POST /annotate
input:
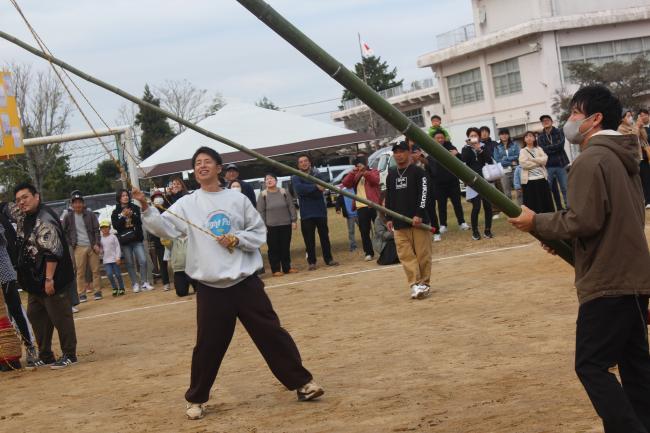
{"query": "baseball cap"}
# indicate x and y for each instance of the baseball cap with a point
(232, 167)
(76, 195)
(104, 223)
(402, 145)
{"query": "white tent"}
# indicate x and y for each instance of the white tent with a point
(269, 132)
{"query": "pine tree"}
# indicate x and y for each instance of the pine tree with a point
(156, 131)
(378, 75)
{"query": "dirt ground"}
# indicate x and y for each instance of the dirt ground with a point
(490, 351)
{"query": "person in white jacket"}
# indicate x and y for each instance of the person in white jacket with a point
(227, 285)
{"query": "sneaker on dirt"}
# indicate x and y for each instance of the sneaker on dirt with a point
(194, 411)
(310, 391)
(64, 361)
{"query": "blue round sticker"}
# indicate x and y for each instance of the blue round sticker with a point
(219, 224)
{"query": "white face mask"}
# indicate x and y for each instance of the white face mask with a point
(158, 201)
(236, 188)
(572, 132)
(630, 120)
(473, 140)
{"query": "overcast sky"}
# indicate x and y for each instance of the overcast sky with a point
(219, 46)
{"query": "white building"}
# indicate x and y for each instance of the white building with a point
(504, 69)
(514, 57)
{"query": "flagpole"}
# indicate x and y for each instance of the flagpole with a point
(365, 80)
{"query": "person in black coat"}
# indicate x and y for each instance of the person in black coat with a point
(475, 155)
(232, 175)
(446, 185)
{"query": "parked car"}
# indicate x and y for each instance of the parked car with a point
(382, 160)
(329, 174)
(337, 181)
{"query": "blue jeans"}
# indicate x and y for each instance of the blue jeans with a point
(114, 275)
(558, 174)
(132, 252)
(352, 221)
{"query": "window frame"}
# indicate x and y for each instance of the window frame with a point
(512, 87)
(470, 85)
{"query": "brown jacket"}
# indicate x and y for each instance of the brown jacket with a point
(605, 220)
(91, 223)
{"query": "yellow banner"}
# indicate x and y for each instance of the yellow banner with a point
(11, 134)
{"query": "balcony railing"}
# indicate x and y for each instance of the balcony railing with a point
(393, 91)
(455, 36)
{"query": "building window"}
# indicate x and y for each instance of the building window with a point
(624, 50)
(516, 131)
(465, 87)
(506, 78)
(415, 116)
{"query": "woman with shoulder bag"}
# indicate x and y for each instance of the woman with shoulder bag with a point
(128, 224)
(537, 192)
(476, 156)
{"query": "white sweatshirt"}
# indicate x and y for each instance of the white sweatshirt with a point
(222, 212)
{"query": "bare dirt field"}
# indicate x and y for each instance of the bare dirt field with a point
(490, 351)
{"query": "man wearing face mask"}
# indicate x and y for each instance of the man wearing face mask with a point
(606, 223)
(551, 140)
(232, 175)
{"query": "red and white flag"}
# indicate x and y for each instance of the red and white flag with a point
(366, 51)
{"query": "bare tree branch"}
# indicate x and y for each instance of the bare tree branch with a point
(183, 99)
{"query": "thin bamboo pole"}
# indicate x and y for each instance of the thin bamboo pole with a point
(202, 131)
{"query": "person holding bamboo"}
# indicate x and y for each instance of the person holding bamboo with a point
(223, 255)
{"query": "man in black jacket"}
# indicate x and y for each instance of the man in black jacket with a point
(45, 271)
(232, 174)
(446, 186)
(552, 140)
(407, 189)
(8, 261)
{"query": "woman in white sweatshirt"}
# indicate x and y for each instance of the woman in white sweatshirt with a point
(227, 285)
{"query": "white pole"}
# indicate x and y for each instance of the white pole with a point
(74, 136)
(129, 144)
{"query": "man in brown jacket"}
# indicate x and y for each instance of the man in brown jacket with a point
(606, 221)
(81, 229)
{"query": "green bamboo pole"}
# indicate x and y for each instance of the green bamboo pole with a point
(209, 134)
(269, 16)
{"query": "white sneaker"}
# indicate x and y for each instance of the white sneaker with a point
(166, 287)
(309, 391)
(415, 291)
(146, 286)
(194, 411)
(437, 237)
(464, 226)
(443, 229)
(136, 288)
(368, 258)
(424, 291)
(647, 206)
(75, 310)
(496, 217)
